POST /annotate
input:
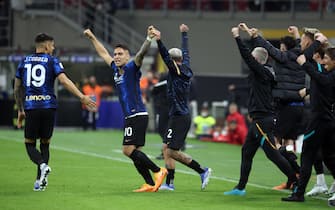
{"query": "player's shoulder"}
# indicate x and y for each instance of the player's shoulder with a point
(131, 64)
(53, 58)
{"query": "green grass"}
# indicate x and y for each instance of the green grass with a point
(90, 172)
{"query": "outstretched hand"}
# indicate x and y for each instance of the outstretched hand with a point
(302, 93)
(301, 59)
(183, 28)
(157, 34)
(235, 31)
(243, 27)
(293, 30)
(89, 102)
(321, 38)
(253, 32)
(89, 34)
(150, 31)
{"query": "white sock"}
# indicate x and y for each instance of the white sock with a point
(320, 179)
(42, 165)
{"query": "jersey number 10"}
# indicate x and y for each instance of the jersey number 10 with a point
(35, 75)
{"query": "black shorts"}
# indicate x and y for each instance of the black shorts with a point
(162, 122)
(134, 130)
(289, 122)
(39, 123)
(176, 133)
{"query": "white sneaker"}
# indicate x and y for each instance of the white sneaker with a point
(37, 186)
(45, 170)
(169, 187)
(205, 177)
(317, 189)
(331, 201)
(332, 188)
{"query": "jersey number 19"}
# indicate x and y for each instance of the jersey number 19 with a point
(35, 74)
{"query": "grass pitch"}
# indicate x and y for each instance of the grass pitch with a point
(89, 171)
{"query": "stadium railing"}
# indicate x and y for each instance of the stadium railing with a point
(87, 14)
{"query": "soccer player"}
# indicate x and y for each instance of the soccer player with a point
(127, 77)
(36, 101)
(319, 133)
(261, 80)
(178, 90)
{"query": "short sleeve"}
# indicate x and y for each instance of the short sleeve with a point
(58, 67)
(19, 70)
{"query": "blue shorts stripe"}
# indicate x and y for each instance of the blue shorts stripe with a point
(262, 141)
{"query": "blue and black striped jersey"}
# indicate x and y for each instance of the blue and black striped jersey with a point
(38, 73)
(127, 81)
(178, 82)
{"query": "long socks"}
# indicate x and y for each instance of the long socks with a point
(33, 153)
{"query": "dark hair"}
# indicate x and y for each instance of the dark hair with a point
(330, 51)
(122, 46)
(42, 37)
(288, 41)
(322, 50)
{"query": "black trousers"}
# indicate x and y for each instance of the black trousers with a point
(319, 135)
(89, 119)
(256, 139)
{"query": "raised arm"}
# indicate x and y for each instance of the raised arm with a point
(68, 84)
(275, 53)
(253, 32)
(319, 40)
(294, 31)
(101, 50)
(165, 53)
(312, 71)
(145, 46)
(184, 44)
(249, 59)
(246, 53)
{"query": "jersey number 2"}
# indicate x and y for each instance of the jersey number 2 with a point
(169, 133)
(35, 74)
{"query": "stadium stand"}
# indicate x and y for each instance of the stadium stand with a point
(4, 24)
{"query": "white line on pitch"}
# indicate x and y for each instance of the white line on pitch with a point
(92, 154)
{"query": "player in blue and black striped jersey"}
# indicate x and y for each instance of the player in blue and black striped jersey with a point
(178, 91)
(127, 76)
(36, 101)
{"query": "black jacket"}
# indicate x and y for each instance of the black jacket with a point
(290, 77)
(261, 82)
(322, 90)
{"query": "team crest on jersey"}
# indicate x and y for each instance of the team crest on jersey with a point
(118, 78)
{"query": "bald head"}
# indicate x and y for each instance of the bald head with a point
(260, 54)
